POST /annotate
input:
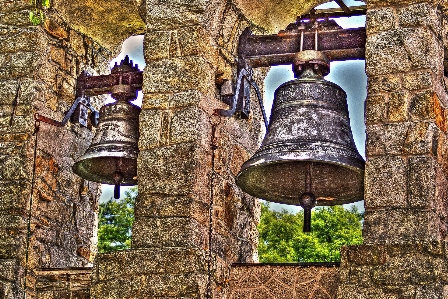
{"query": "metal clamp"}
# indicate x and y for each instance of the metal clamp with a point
(242, 103)
(78, 112)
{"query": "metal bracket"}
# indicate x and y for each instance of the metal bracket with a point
(126, 74)
(241, 103)
(78, 112)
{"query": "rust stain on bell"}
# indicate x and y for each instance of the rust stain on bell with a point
(309, 124)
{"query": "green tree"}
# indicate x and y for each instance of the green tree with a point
(282, 238)
(115, 222)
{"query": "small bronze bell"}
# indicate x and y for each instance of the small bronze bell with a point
(308, 156)
(112, 156)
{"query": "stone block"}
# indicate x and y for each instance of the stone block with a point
(155, 101)
(397, 106)
(163, 15)
(14, 196)
(150, 128)
(169, 232)
(386, 83)
(153, 205)
(381, 19)
(401, 50)
(422, 181)
(362, 255)
(20, 40)
(419, 15)
(418, 80)
(422, 105)
(182, 286)
(386, 182)
(189, 124)
(150, 261)
(195, 40)
(376, 109)
(383, 3)
(421, 138)
(9, 269)
(178, 74)
(386, 139)
(174, 170)
(400, 225)
(156, 45)
(58, 56)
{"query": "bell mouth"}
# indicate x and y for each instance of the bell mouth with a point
(284, 181)
(100, 164)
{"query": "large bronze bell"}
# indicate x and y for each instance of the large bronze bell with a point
(112, 156)
(308, 153)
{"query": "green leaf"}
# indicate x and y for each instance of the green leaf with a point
(36, 19)
(46, 3)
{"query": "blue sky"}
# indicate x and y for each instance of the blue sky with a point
(349, 75)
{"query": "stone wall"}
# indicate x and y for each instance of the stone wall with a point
(291, 281)
(406, 125)
(38, 70)
(405, 225)
(191, 221)
(73, 283)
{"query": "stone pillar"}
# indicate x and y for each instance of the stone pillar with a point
(38, 67)
(191, 221)
(405, 185)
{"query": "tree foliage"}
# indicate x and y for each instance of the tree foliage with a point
(282, 238)
(115, 222)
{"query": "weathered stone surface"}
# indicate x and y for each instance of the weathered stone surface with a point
(397, 106)
(150, 128)
(274, 16)
(406, 270)
(150, 205)
(376, 109)
(421, 138)
(108, 22)
(418, 80)
(174, 14)
(422, 182)
(169, 232)
(170, 170)
(386, 182)
(149, 261)
(178, 74)
(152, 286)
(380, 226)
(63, 283)
(386, 83)
(380, 20)
(401, 50)
(420, 15)
(386, 139)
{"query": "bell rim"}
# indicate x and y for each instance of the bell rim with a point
(355, 197)
(81, 171)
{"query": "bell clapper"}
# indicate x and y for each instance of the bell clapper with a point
(307, 199)
(117, 178)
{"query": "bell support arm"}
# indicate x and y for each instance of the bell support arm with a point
(86, 85)
(279, 49)
(79, 109)
(268, 50)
